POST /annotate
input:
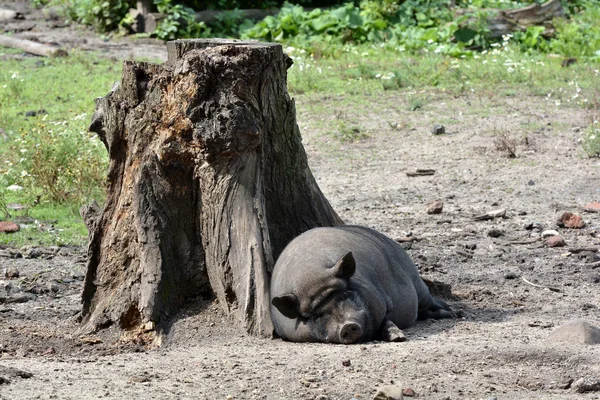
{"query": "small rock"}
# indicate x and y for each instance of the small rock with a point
(438, 129)
(495, 233)
(585, 385)
(550, 232)
(49, 350)
(510, 275)
(33, 253)
(389, 392)
(576, 331)
(322, 397)
(531, 182)
(8, 226)
(570, 220)
(555, 241)
(435, 207)
(346, 363)
(592, 207)
(408, 392)
(11, 273)
(8, 372)
(53, 287)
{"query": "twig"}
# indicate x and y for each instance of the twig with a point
(576, 250)
(530, 241)
(421, 172)
(540, 286)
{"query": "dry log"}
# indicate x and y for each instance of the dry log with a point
(208, 181)
(32, 47)
(505, 22)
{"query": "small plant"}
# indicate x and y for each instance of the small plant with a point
(415, 102)
(58, 162)
(179, 21)
(506, 144)
(349, 133)
(591, 139)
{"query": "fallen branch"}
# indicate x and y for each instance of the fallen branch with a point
(576, 250)
(530, 241)
(552, 289)
(32, 47)
(421, 172)
(501, 213)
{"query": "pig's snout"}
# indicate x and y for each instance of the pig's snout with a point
(350, 332)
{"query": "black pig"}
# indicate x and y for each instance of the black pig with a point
(348, 284)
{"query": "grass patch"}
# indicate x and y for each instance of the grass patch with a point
(49, 160)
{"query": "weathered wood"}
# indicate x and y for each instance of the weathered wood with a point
(32, 47)
(505, 22)
(208, 181)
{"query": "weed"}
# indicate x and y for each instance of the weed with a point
(504, 143)
(349, 133)
(415, 102)
(590, 137)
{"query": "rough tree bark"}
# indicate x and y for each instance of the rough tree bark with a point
(208, 181)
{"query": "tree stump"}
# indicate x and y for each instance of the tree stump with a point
(208, 181)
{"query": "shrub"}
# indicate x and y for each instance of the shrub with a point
(60, 162)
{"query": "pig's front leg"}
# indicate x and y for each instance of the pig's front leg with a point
(391, 333)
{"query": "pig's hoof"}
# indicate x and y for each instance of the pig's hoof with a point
(391, 333)
(397, 337)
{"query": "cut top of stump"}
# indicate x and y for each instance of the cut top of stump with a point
(177, 48)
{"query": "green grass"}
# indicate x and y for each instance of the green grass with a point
(45, 224)
(374, 69)
(59, 165)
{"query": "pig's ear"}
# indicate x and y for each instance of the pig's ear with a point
(287, 304)
(345, 267)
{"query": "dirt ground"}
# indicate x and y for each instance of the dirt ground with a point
(513, 291)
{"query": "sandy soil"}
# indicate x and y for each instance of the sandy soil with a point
(500, 347)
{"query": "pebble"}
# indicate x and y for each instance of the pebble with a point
(33, 253)
(510, 275)
(8, 226)
(435, 207)
(408, 392)
(576, 331)
(389, 392)
(585, 385)
(11, 273)
(495, 233)
(555, 241)
(592, 207)
(550, 232)
(570, 220)
(438, 129)
(346, 363)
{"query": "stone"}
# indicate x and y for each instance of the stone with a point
(555, 241)
(438, 129)
(576, 331)
(571, 221)
(550, 232)
(592, 207)
(586, 385)
(495, 233)
(389, 392)
(8, 226)
(11, 273)
(33, 253)
(408, 392)
(435, 207)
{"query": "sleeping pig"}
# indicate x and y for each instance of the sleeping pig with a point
(348, 284)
